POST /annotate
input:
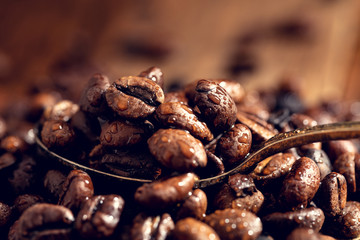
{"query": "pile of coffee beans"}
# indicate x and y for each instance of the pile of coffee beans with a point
(133, 128)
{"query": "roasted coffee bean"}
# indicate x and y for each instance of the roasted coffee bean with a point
(235, 144)
(273, 168)
(45, 221)
(86, 127)
(134, 97)
(216, 106)
(99, 216)
(332, 194)
(23, 202)
(177, 96)
(13, 144)
(348, 164)
(24, 176)
(177, 115)
(233, 88)
(61, 111)
(239, 193)
(307, 234)
(255, 104)
(93, 97)
(13, 231)
(152, 227)
(235, 224)
(347, 224)
(76, 189)
(41, 101)
(336, 148)
(5, 214)
(3, 128)
(301, 184)
(177, 149)
(130, 163)
(192, 229)
(320, 158)
(155, 74)
(119, 134)
(57, 134)
(53, 182)
(6, 160)
(280, 224)
(194, 206)
(260, 129)
(165, 192)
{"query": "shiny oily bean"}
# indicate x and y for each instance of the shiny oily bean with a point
(332, 194)
(57, 134)
(119, 134)
(177, 115)
(76, 189)
(280, 224)
(336, 148)
(192, 229)
(194, 206)
(99, 216)
(61, 111)
(216, 106)
(165, 192)
(134, 97)
(93, 97)
(273, 168)
(177, 149)
(231, 224)
(235, 144)
(155, 74)
(45, 221)
(239, 193)
(235, 89)
(300, 185)
(320, 158)
(157, 227)
(348, 164)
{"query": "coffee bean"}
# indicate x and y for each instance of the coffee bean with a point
(134, 97)
(23, 202)
(53, 182)
(166, 192)
(61, 111)
(216, 106)
(177, 149)
(99, 216)
(194, 206)
(192, 229)
(155, 74)
(348, 164)
(57, 134)
(5, 214)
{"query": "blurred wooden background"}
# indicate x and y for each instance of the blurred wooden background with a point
(255, 42)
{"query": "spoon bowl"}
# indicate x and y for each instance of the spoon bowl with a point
(276, 144)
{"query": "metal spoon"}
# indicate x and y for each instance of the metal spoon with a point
(276, 144)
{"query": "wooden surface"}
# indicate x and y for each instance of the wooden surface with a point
(316, 42)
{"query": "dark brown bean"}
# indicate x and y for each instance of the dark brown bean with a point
(336, 148)
(23, 202)
(348, 164)
(119, 134)
(235, 89)
(239, 193)
(215, 104)
(93, 97)
(194, 206)
(166, 192)
(152, 227)
(134, 97)
(76, 189)
(13, 144)
(45, 221)
(320, 158)
(177, 115)
(192, 229)
(177, 149)
(57, 134)
(61, 111)
(99, 216)
(282, 223)
(235, 144)
(332, 194)
(233, 224)
(53, 182)
(300, 185)
(177, 96)
(155, 74)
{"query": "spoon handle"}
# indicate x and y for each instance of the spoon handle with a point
(284, 141)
